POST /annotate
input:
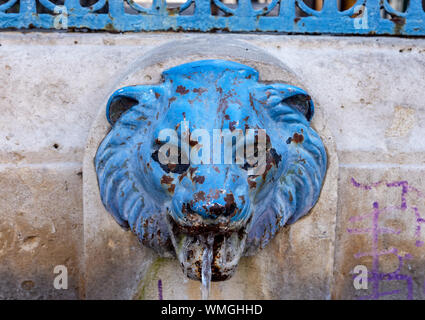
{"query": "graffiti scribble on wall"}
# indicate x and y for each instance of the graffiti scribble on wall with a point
(374, 230)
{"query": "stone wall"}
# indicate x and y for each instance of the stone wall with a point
(369, 99)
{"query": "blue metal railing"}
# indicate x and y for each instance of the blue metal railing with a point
(365, 17)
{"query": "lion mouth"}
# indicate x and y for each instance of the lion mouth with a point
(207, 253)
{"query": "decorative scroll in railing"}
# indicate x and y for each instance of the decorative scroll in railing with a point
(368, 17)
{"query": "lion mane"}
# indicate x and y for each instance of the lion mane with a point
(298, 188)
(121, 182)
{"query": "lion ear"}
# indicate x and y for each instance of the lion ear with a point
(294, 97)
(125, 98)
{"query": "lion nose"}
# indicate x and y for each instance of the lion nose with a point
(224, 195)
(215, 209)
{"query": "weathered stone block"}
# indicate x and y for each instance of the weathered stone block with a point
(41, 227)
(381, 225)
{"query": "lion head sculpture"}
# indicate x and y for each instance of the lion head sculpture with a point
(193, 209)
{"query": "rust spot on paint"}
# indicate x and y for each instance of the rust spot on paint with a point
(182, 90)
(199, 196)
(199, 179)
(216, 209)
(214, 196)
(251, 102)
(192, 171)
(223, 105)
(182, 176)
(199, 91)
(230, 205)
(252, 184)
(242, 199)
(399, 23)
(172, 166)
(172, 188)
(268, 167)
(166, 179)
(232, 125)
(297, 138)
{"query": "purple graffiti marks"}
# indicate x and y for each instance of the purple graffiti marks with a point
(375, 276)
(419, 220)
(365, 186)
(405, 189)
(160, 289)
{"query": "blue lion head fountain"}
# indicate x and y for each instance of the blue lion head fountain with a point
(226, 204)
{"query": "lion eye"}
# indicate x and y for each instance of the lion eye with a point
(247, 166)
(178, 168)
(272, 157)
(251, 161)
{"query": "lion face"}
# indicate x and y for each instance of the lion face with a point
(209, 162)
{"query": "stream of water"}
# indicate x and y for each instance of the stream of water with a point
(206, 266)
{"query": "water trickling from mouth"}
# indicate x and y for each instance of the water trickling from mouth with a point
(207, 257)
(186, 264)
